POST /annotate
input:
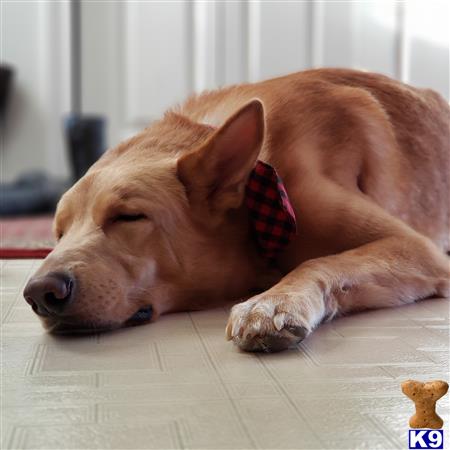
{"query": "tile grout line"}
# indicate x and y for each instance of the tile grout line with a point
(35, 366)
(378, 426)
(302, 349)
(158, 356)
(18, 438)
(223, 384)
(382, 368)
(287, 398)
(7, 313)
(178, 435)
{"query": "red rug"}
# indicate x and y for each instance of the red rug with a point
(29, 237)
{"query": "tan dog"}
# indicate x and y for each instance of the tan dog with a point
(160, 219)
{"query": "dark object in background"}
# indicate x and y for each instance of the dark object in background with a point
(85, 140)
(36, 192)
(6, 74)
(32, 193)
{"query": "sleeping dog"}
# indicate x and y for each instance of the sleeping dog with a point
(299, 199)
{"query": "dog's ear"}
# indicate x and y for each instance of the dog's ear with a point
(215, 175)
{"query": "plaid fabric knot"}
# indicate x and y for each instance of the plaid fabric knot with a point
(271, 212)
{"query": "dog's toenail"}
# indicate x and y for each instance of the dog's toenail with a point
(228, 333)
(278, 321)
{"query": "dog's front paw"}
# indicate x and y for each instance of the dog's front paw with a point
(268, 323)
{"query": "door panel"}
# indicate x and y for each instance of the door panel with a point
(142, 57)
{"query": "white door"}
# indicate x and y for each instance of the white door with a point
(141, 57)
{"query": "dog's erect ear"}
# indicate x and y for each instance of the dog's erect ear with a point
(215, 175)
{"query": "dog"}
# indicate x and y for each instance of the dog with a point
(162, 223)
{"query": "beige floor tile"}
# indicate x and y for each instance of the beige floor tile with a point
(178, 384)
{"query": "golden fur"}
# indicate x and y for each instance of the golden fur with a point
(365, 161)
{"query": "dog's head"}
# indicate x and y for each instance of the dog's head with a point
(156, 225)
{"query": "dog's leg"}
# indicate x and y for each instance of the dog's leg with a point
(391, 265)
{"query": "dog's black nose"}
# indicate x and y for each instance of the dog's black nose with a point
(49, 294)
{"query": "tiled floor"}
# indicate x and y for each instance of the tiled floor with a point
(178, 384)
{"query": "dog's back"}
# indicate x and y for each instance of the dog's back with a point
(368, 132)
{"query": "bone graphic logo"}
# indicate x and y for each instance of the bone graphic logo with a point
(425, 396)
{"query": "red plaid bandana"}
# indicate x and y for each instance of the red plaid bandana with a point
(271, 212)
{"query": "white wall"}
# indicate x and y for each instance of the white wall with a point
(35, 41)
(156, 53)
(140, 57)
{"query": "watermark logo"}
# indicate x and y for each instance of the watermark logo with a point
(426, 432)
(419, 439)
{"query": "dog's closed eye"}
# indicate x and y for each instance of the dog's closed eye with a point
(129, 217)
